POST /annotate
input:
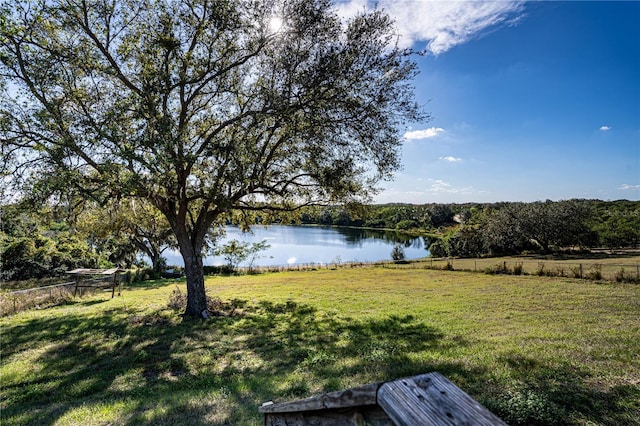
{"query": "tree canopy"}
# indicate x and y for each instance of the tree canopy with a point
(202, 107)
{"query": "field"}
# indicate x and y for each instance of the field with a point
(596, 266)
(532, 349)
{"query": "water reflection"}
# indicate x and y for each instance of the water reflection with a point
(294, 245)
(357, 236)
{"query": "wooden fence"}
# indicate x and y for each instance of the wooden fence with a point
(85, 281)
(604, 270)
(19, 300)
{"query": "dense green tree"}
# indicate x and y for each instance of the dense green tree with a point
(501, 231)
(559, 224)
(124, 229)
(440, 215)
(36, 244)
(203, 107)
(616, 223)
(510, 228)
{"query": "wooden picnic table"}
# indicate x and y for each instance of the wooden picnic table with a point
(98, 278)
(424, 400)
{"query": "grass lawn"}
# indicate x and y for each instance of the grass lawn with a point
(534, 350)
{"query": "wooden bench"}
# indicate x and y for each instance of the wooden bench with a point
(427, 399)
(98, 278)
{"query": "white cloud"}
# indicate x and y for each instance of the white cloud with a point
(423, 134)
(440, 186)
(450, 159)
(626, 187)
(605, 128)
(441, 24)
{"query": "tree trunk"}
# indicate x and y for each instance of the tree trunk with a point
(155, 262)
(190, 244)
(196, 296)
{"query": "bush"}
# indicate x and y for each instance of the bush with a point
(236, 252)
(595, 272)
(439, 248)
(623, 277)
(218, 270)
(498, 268)
(518, 269)
(576, 271)
(397, 254)
(140, 274)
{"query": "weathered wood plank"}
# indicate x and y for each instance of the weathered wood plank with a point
(404, 403)
(363, 395)
(428, 399)
(431, 399)
(371, 415)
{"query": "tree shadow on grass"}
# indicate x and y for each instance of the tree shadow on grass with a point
(195, 372)
(163, 370)
(86, 303)
(333, 346)
(153, 284)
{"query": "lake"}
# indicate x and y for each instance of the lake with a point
(302, 245)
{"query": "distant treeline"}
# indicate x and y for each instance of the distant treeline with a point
(46, 241)
(489, 229)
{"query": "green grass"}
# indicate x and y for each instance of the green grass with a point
(534, 350)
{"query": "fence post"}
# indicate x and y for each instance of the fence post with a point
(581, 270)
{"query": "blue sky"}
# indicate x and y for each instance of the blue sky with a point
(530, 101)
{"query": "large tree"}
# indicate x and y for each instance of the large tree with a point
(514, 227)
(126, 228)
(203, 107)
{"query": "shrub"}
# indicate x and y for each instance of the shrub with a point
(439, 248)
(397, 254)
(576, 271)
(560, 271)
(177, 300)
(498, 268)
(218, 270)
(140, 274)
(518, 269)
(595, 272)
(626, 277)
